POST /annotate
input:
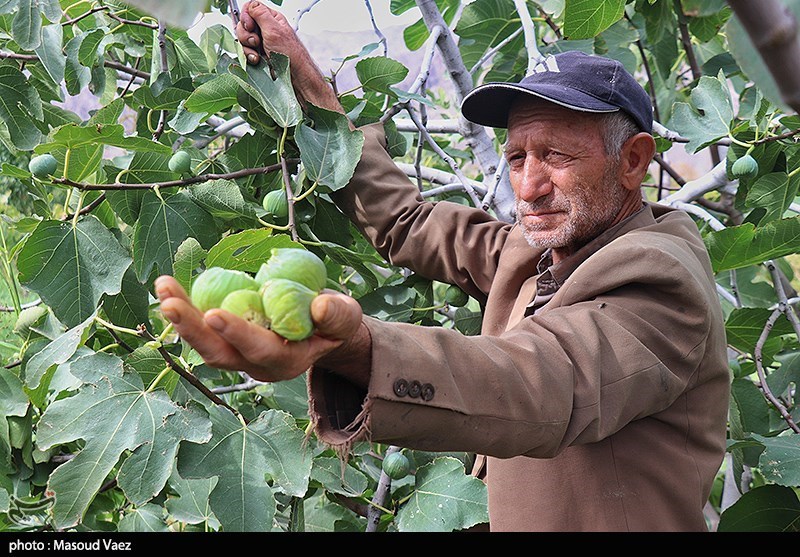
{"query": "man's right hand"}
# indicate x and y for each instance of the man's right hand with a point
(262, 30)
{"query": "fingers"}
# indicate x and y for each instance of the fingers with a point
(189, 323)
(335, 315)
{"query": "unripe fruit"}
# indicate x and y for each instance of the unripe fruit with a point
(287, 305)
(295, 264)
(744, 167)
(213, 284)
(247, 305)
(276, 204)
(455, 297)
(42, 166)
(396, 465)
(29, 317)
(180, 162)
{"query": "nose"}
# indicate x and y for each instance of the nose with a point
(532, 181)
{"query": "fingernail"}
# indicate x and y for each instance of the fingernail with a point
(252, 58)
(252, 41)
(216, 322)
(172, 315)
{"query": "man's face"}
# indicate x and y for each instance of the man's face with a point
(567, 188)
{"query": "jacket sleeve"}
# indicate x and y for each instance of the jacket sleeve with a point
(390, 212)
(623, 338)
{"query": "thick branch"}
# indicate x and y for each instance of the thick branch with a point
(695, 189)
(534, 56)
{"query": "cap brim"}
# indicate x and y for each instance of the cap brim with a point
(489, 104)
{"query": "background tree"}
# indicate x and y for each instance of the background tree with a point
(110, 422)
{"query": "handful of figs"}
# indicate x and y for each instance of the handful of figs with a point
(278, 297)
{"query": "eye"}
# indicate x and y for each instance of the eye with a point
(515, 158)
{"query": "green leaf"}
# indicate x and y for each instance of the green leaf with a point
(20, 108)
(13, 402)
(752, 406)
(390, 303)
(483, 25)
(769, 508)
(188, 259)
(72, 136)
(191, 59)
(743, 245)
(745, 325)
(445, 499)
(56, 352)
(775, 192)
(223, 199)
(276, 95)
(190, 502)
(349, 482)
(330, 150)
(243, 458)
(708, 117)
(149, 518)
(113, 414)
(164, 223)
(247, 250)
(214, 95)
(72, 267)
(129, 308)
(26, 28)
(584, 19)
(50, 54)
(780, 461)
(379, 72)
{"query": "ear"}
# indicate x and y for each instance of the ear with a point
(635, 157)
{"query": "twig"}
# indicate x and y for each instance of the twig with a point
(243, 173)
(382, 38)
(379, 498)
(24, 306)
(534, 56)
(303, 11)
(88, 208)
(246, 386)
(491, 52)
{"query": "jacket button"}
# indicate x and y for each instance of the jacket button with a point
(401, 387)
(414, 389)
(427, 392)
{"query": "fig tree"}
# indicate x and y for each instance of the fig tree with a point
(276, 204)
(287, 305)
(295, 264)
(396, 465)
(247, 305)
(43, 166)
(744, 167)
(180, 162)
(213, 284)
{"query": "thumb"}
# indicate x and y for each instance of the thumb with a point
(336, 315)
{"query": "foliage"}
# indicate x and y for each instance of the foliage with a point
(110, 422)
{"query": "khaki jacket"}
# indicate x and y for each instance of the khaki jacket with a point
(604, 409)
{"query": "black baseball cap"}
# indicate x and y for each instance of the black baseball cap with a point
(573, 79)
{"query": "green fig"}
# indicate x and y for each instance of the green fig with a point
(180, 162)
(287, 305)
(43, 166)
(276, 204)
(455, 297)
(295, 264)
(396, 465)
(213, 284)
(247, 305)
(744, 167)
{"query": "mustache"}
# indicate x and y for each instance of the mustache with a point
(542, 204)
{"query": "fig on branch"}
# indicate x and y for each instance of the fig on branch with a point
(247, 305)
(295, 264)
(744, 167)
(43, 166)
(276, 204)
(287, 305)
(180, 162)
(396, 465)
(213, 284)
(455, 297)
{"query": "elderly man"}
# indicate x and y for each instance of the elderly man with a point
(597, 393)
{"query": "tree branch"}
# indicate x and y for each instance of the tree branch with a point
(534, 56)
